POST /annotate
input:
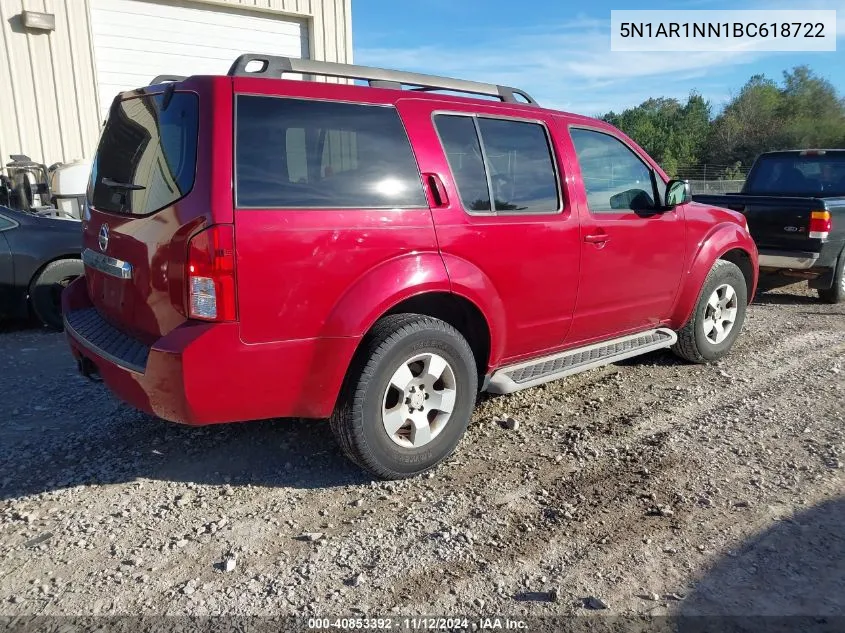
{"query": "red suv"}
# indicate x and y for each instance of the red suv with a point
(258, 248)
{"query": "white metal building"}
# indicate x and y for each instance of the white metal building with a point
(62, 61)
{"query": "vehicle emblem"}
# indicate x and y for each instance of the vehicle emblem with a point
(790, 229)
(104, 237)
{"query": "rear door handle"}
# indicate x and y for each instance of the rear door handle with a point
(597, 238)
(438, 192)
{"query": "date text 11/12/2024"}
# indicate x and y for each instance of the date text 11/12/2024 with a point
(417, 624)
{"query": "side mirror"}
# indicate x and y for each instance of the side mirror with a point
(677, 192)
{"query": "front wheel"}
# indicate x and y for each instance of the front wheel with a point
(408, 398)
(718, 316)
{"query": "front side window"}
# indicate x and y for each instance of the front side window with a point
(516, 165)
(615, 178)
(297, 153)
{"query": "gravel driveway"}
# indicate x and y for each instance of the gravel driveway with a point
(648, 487)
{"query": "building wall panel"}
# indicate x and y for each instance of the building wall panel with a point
(49, 105)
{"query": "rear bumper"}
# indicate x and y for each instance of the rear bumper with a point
(791, 260)
(202, 373)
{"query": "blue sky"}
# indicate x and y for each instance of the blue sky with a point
(559, 50)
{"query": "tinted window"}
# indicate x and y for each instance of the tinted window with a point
(5, 223)
(614, 177)
(460, 142)
(797, 175)
(299, 153)
(148, 147)
(520, 164)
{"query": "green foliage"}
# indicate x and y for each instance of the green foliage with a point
(805, 111)
(671, 132)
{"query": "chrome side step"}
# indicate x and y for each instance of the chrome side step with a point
(541, 370)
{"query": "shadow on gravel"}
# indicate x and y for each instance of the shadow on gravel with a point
(129, 445)
(781, 299)
(659, 358)
(796, 568)
(19, 325)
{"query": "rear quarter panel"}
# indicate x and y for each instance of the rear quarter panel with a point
(308, 273)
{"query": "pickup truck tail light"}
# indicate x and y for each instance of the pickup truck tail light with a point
(819, 224)
(211, 274)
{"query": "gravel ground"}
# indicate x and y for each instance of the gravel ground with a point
(646, 487)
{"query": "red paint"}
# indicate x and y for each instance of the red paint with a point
(310, 283)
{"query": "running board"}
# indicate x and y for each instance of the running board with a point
(541, 370)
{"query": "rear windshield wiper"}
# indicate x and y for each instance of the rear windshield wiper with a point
(108, 182)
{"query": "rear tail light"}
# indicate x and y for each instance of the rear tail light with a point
(211, 274)
(819, 224)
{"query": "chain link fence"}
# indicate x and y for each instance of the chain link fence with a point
(708, 178)
(716, 186)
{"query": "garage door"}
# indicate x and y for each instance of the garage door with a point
(135, 40)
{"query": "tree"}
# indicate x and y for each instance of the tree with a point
(806, 111)
(672, 133)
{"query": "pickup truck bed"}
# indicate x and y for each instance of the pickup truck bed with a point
(797, 236)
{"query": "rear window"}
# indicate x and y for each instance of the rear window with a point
(797, 175)
(296, 153)
(147, 155)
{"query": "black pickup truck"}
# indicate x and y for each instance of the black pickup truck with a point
(794, 202)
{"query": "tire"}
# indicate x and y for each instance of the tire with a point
(369, 396)
(836, 292)
(696, 339)
(45, 291)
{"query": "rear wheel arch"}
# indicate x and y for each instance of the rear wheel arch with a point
(455, 310)
(64, 267)
(379, 289)
(44, 264)
(459, 312)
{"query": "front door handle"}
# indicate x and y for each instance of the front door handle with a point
(597, 238)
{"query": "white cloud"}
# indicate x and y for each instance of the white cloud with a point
(569, 66)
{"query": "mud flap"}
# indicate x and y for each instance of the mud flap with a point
(825, 280)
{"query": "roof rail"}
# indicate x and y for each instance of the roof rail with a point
(161, 79)
(275, 66)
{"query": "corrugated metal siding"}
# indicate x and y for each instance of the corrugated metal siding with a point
(49, 105)
(58, 67)
(331, 24)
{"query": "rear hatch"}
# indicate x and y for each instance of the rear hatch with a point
(146, 197)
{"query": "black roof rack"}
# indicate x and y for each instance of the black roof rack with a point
(275, 66)
(161, 79)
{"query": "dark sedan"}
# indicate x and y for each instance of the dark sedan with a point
(39, 256)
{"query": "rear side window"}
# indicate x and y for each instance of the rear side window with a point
(516, 165)
(147, 154)
(297, 153)
(522, 173)
(463, 150)
(615, 179)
